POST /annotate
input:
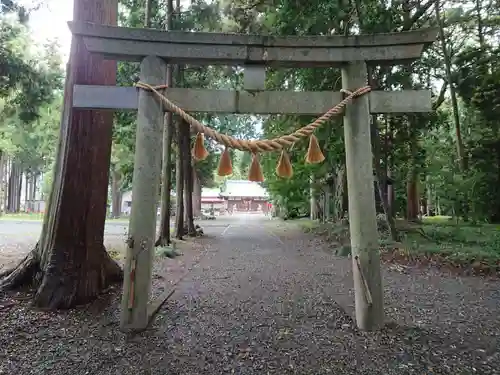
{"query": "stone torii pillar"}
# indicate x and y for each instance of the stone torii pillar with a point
(145, 191)
(368, 292)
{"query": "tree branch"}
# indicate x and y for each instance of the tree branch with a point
(440, 98)
(418, 14)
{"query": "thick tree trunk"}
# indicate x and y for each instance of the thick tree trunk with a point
(412, 197)
(70, 265)
(116, 195)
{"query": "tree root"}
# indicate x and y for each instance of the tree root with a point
(62, 284)
(23, 274)
(64, 288)
(6, 273)
(162, 241)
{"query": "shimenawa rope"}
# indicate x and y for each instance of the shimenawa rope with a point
(263, 145)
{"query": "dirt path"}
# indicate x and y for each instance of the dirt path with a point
(258, 303)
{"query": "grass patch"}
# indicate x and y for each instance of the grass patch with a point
(460, 243)
(167, 251)
(115, 254)
(22, 216)
(437, 240)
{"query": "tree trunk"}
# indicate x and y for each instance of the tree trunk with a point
(4, 183)
(338, 192)
(14, 188)
(379, 178)
(26, 191)
(116, 194)
(412, 196)
(34, 186)
(462, 158)
(179, 184)
(168, 132)
(196, 194)
(166, 185)
(19, 190)
(70, 265)
(188, 180)
(312, 199)
(328, 199)
(2, 166)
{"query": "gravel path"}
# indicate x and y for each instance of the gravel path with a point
(259, 303)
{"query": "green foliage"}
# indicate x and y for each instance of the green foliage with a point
(31, 80)
(200, 16)
(26, 82)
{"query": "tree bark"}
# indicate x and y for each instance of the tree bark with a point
(312, 199)
(2, 190)
(19, 190)
(34, 186)
(168, 132)
(188, 180)
(116, 195)
(339, 192)
(462, 158)
(70, 265)
(166, 186)
(196, 193)
(179, 184)
(14, 188)
(378, 179)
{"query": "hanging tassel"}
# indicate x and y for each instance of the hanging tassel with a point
(199, 151)
(225, 164)
(314, 154)
(284, 168)
(255, 172)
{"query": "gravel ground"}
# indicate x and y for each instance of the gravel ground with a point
(258, 303)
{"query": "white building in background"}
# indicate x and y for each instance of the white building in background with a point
(245, 196)
(237, 196)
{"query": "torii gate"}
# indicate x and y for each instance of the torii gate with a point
(154, 48)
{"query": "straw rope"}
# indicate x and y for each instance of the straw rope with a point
(263, 145)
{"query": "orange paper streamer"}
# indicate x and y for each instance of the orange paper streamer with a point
(284, 168)
(199, 151)
(314, 154)
(255, 172)
(225, 164)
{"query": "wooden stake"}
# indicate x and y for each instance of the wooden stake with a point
(362, 216)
